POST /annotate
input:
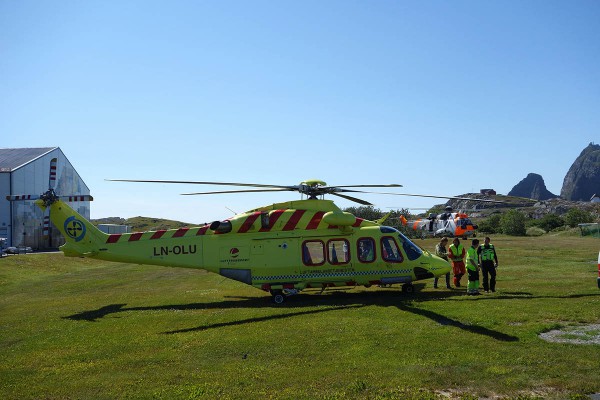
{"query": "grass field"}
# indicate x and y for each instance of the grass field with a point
(85, 329)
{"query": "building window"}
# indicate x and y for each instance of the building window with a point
(313, 252)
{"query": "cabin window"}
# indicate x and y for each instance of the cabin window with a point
(338, 251)
(366, 250)
(390, 251)
(313, 252)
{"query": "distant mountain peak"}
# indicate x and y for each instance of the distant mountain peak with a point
(532, 187)
(583, 179)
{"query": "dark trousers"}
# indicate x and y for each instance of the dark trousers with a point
(435, 281)
(473, 275)
(487, 267)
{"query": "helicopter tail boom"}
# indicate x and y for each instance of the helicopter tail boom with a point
(81, 236)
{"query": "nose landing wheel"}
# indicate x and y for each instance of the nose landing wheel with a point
(408, 288)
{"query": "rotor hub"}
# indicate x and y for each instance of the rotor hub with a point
(49, 197)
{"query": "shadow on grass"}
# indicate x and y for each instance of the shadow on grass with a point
(333, 301)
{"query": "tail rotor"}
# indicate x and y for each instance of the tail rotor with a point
(46, 230)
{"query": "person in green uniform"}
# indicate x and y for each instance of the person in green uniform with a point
(489, 263)
(473, 268)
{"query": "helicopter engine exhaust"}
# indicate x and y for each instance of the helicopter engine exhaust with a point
(221, 226)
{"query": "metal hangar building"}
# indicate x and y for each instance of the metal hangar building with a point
(32, 171)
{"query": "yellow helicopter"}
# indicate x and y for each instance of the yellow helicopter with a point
(282, 248)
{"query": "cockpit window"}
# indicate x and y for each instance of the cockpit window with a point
(412, 250)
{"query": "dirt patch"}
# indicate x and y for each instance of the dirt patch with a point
(585, 334)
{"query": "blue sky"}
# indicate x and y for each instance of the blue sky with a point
(443, 97)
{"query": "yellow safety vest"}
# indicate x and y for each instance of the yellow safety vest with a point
(456, 252)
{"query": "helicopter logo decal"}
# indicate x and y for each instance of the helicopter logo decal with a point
(74, 228)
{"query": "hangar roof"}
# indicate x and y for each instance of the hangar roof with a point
(11, 159)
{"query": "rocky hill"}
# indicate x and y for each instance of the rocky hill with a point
(532, 187)
(583, 179)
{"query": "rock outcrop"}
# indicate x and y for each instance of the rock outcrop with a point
(583, 179)
(532, 187)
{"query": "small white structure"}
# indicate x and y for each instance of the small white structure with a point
(595, 199)
(113, 228)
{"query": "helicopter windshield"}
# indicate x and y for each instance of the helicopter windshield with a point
(412, 250)
(464, 222)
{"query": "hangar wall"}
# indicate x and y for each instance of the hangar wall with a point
(27, 226)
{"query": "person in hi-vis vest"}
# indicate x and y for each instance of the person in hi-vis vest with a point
(456, 254)
(489, 263)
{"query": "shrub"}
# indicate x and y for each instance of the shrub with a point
(575, 216)
(513, 223)
(490, 224)
(549, 222)
(535, 231)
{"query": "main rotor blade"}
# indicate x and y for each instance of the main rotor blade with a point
(441, 197)
(238, 191)
(374, 186)
(354, 199)
(205, 183)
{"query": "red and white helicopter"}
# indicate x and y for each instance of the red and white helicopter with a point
(448, 223)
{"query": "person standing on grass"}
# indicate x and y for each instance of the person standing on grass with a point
(489, 263)
(456, 252)
(442, 252)
(473, 268)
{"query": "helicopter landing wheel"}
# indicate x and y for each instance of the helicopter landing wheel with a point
(408, 288)
(278, 297)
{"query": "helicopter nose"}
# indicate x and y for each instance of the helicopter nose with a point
(440, 267)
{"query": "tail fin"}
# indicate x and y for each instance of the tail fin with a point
(381, 220)
(82, 238)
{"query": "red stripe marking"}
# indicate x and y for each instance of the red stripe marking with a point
(249, 222)
(202, 231)
(135, 236)
(358, 222)
(316, 220)
(114, 238)
(180, 232)
(158, 234)
(293, 221)
(273, 218)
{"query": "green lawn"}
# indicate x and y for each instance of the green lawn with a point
(85, 329)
